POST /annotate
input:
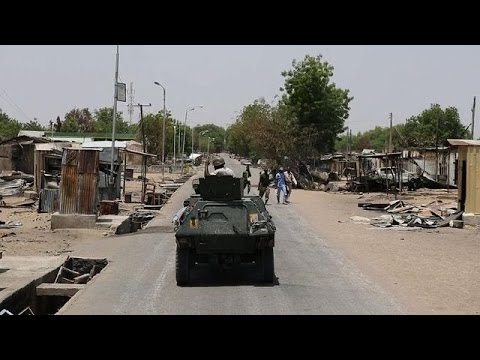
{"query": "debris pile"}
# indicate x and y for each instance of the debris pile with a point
(141, 218)
(9, 224)
(432, 215)
(79, 271)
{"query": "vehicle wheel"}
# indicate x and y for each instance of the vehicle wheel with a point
(259, 264)
(268, 265)
(191, 259)
(182, 266)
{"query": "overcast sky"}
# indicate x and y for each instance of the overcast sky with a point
(47, 81)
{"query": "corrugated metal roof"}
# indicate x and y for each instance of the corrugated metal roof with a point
(31, 133)
(104, 144)
(70, 139)
(24, 140)
(463, 142)
(139, 152)
(53, 146)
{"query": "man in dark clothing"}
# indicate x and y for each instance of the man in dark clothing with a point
(246, 178)
(263, 185)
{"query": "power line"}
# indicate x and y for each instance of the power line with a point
(15, 105)
(10, 105)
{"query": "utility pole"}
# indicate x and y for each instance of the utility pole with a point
(179, 138)
(390, 139)
(115, 93)
(163, 129)
(130, 102)
(184, 132)
(473, 118)
(174, 135)
(144, 162)
(192, 140)
(350, 141)
(436, 151)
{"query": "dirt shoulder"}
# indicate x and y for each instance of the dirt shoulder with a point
(430, 271)
(34, 236)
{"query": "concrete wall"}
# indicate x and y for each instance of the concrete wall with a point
(472, 203)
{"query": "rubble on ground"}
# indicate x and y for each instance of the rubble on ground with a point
(432, 215)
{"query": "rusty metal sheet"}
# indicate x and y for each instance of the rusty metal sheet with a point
(70, 157)
(87, 193)
(49, 200)
(88, 162)
(78, 187)
(68, 189)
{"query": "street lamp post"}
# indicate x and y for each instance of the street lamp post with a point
(203, 134)
(192, 139)
(179, 137)
(208, 146)
(174, 135)
(163, 130)
(185, 129)
(115, 98)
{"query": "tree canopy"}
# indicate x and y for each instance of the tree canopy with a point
(434, 126)
(307, 120)
(9, 127)
(318, 105)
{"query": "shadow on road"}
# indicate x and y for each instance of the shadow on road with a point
(203, 275)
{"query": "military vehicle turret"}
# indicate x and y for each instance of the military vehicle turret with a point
(222, 227)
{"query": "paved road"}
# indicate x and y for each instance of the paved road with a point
(312, 278)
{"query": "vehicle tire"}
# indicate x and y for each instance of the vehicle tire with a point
(191, 259)
(259, 264)
(182, 268)
(268, 265)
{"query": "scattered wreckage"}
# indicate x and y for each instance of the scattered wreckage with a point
(432, 215)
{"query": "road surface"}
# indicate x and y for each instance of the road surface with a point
(312, 277)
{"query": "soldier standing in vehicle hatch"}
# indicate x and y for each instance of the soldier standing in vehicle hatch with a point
(219, 165)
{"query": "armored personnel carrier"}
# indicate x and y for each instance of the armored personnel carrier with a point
(223, 228)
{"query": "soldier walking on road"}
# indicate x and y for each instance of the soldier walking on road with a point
(290, 182)
(263, 185)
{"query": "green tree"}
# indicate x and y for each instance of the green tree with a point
(319, 107)
(103, 122)
(78, 120)
(57, 125)
(153, 128)
(33, 125)
(9, 127)
(263, 131)
(432, 126)
(376, 139)
(201, 133)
